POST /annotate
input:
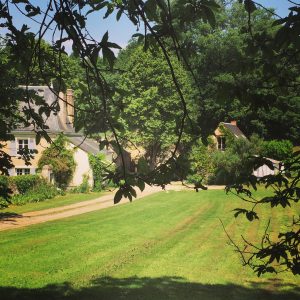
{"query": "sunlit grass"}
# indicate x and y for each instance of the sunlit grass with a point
(169, 245)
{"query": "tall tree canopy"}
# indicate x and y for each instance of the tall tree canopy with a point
(146, 102)
(258, 76)
(239, 77)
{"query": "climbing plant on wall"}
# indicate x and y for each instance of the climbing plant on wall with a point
(61, 159)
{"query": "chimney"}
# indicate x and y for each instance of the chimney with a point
(233, 123)
(62, 108)
(70, 106)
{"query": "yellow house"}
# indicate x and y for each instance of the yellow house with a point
(219, 137)
(60, 123)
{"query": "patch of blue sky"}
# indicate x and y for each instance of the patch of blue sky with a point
(119, 32)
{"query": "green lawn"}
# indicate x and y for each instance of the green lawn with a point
(166, 246)
(52, 203)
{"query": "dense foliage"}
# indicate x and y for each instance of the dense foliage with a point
(277, 149)
(237, 77)
(61, 159)
(276, 251)
(5, 191)
(25, 189)
(146, 102)
(22, 184)
(246, 59)
(100, 168)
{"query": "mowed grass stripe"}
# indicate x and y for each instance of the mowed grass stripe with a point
(164, 246)
(95, 238)
(170, 234)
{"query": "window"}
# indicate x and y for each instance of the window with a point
(22, 144)
(221, 143)
(22, 171)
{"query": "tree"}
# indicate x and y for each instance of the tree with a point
(146, 102)
(231, 79)
(279, 252)
(273, 53)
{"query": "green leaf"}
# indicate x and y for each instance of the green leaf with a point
(119, 14)
(105, 38)
(118, 196)
(250, 6)
(141, 184)
(95, 55)
(132, 191)
(150, 9)
(113, 45)
(109, 56)
(138, 35)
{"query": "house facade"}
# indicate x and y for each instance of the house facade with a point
(221, 134)
(57, 124)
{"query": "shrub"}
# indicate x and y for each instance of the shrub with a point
(24, 183)
(26, 188)
(100, 168)
(40, 192)
(61, 159)
(279, 150)
(5, 191)
(233, 163)
(201, 164)
(84, 187)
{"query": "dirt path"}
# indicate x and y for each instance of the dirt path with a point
(12, 221)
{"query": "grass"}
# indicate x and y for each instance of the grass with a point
(168, 245)
(52, 203)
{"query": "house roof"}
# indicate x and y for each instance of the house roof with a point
(59, 123)
(86, 144)
(54, 121)
(233, 129)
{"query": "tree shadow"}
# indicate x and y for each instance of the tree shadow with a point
(146, 288)
(9, 216)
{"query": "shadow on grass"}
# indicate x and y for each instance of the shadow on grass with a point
(153, 288)
(9, 216)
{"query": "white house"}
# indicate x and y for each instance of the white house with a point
(60, 123)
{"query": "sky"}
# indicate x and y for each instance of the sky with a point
(120, 32)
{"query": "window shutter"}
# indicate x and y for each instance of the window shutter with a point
(13, 148)
(31, 143)
(11, 172)
(32, 171)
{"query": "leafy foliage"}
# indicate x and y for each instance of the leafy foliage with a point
(37, 193)
(61, 159)
(238, 77)
(5, 191)
(234, 163)
(201, 166)
(100, 168)
(24, 189)
(146, 102)
(280, 150)
(273, 253)
(84, 187)
(24, 183)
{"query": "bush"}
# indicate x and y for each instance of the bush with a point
(279, 150)
(5, 191)
(100, 168)
(22, 184)
(84, 187)
(40, 192)
(26, 188)
(201, 163)
(61, 159)
(233, 163)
